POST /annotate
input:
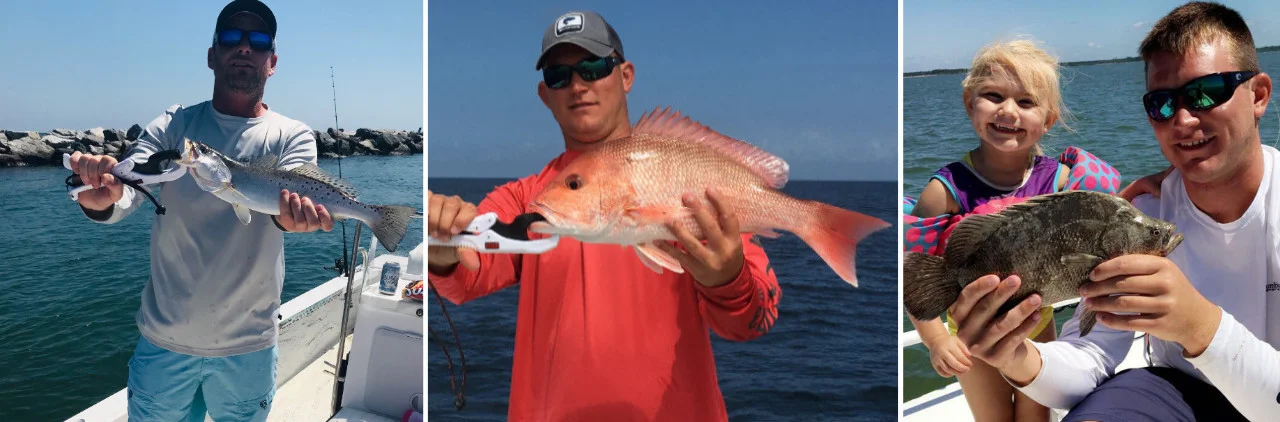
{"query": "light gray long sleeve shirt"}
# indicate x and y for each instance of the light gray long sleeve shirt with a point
(215, 283)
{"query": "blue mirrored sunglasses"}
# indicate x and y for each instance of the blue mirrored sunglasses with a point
(258, 41)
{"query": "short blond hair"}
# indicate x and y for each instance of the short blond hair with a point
(1030, 65)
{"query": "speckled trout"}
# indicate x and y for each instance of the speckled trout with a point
(256, 187)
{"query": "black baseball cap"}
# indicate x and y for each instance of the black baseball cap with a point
(584, 29)
(251, 6)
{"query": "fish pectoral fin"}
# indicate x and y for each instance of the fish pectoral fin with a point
(647, 215)
(656, 259)
(243, 213)
(1081, 259)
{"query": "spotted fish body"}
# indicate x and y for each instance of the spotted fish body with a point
(256, 187)
(1052, 242)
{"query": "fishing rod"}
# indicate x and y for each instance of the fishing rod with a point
(339, 263)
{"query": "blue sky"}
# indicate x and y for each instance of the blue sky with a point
(941, 34)
(113, 63)
(816, 85)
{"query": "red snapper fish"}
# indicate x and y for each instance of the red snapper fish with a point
(624, 191)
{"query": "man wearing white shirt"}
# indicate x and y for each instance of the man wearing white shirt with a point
(1211, 309)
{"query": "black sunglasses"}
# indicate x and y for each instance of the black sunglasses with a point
(258, 41)
(1203, 93)
(558, 76)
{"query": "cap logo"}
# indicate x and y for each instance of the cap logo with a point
(571, 22)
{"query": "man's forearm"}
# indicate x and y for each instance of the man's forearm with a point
(1024, 370)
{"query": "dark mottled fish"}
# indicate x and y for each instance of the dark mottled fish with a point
(1052, 242)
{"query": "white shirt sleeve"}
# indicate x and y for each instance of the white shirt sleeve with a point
(1072, 366)
(153, 138)
(1244, 368)
(300, 147)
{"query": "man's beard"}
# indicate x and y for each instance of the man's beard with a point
(247, 83)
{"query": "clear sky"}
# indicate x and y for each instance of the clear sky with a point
(814, 82)
(113, 63)
(944, 34)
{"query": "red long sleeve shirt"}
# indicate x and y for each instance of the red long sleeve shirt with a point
(599, 336)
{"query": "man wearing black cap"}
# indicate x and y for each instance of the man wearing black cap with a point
(208, 313)
(600, 336)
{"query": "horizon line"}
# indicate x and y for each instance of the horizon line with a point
(429, 177)
(944, 71)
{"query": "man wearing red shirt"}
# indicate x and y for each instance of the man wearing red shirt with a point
(599, 336)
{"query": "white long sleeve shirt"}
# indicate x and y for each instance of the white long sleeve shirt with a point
(1234, 265)
(214, 285)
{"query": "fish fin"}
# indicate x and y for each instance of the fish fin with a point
(1088, 318)
(655, 256)
(1108, 205)
(269, 161)
(648, 263)
(926, 291)
(648, 215)
(773, 169)
(833, 233)
(391, 224)
(1081, 259)
(243, 213)
(969, 233)
(769, 233)
(314, 172)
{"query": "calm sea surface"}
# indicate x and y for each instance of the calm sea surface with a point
(72, 286)
(831, 356)
(1106, 101)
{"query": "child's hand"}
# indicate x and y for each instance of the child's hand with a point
(949, 356)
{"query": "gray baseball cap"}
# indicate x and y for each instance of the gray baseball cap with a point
(585, 29)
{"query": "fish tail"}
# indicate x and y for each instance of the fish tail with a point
(390, 225)
(834, 234)
(926, 292)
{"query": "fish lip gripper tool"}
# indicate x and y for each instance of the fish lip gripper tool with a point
(486, 234)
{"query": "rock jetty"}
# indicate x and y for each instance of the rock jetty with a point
(27, 148)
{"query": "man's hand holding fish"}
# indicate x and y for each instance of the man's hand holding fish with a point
(998, 340)
(717, 260)
(299, 214)
(1151, 294)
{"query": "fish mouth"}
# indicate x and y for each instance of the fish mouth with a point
(1172, 243)
(549, 219)
(190, 153)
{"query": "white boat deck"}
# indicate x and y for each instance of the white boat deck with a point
(306, 397)
(308, 346)
(948, 403)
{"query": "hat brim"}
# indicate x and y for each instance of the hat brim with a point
(592, 47)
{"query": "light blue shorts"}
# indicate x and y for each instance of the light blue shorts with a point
(171, 386)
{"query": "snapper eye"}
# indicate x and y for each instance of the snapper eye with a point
(573, 182)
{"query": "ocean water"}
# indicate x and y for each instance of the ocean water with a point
(1108, 120)
(831, 355)
(71, 286)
